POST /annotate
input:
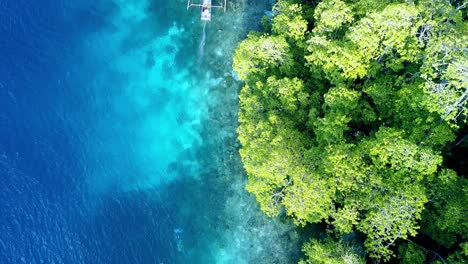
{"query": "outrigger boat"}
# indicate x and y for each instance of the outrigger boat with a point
(206, 7)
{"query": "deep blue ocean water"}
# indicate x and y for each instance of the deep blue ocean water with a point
(116, 145)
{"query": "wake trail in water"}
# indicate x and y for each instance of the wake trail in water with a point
(201, 47)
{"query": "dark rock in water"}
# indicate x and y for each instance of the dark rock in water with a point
(170, 49)
(172, 167)
(182, 117)
(167, 70)
(149, 59)
(160, 97)
(178, 233)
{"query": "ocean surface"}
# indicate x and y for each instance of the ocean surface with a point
(117, 136)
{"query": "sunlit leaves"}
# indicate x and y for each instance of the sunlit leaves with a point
(445, 70)
(289, 22)
(393, 216)
(330, 15)
(346, 123)
(390, 33)
(345, 219)
(258, 53)
(328, 251)
(390, 150)
(392, 30)
(308, 200)
(449, 199)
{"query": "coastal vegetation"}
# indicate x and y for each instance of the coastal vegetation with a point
(353, 116)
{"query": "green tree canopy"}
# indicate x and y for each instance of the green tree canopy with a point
(329, 251)
(347, 114)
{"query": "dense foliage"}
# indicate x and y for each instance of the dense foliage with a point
(349, 111)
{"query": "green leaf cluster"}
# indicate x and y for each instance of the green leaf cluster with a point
(347, 111)
(328, 251)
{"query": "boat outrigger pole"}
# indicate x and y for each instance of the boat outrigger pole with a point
(206, 7)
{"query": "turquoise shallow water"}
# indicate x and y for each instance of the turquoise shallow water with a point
(153, 106)
(117, 140)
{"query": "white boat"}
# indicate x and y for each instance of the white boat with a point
(206, 6)
(206, 10)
